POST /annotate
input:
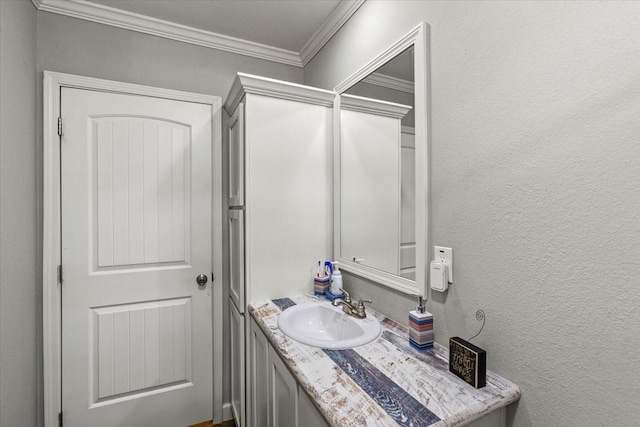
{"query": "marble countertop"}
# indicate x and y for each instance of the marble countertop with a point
(385, 382)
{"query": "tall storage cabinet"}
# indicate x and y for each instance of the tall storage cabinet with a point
(280, 142)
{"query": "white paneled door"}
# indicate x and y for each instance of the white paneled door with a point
(136, 232)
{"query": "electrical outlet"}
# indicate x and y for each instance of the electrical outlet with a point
(445, 255)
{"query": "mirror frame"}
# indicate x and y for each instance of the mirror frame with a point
(419, 38)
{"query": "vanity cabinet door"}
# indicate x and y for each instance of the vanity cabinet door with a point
(497, 418)
(259, 369)
(236, 157)
(276, 399)
(283, 393)
(308, 415)
(237, 365)
(236, 258)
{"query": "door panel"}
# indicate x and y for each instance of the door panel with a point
(135, 222)
(137, 347)
(236, 258)
(136, 201)
(236, 157)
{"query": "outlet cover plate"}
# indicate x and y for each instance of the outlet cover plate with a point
(445, 255)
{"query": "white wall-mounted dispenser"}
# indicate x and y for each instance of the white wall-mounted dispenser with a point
(439, 280)
(441, 269)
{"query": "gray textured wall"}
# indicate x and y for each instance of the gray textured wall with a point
(80, 47)
(75, 46)
(20, 292)
(30, 43)
(535, 160)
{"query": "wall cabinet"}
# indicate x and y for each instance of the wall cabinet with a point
(279, 401)
(280, 218)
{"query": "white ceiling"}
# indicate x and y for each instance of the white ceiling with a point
(285, 24)
(286, 31)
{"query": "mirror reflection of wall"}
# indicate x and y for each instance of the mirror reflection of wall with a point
(378, 172)
(392, 82)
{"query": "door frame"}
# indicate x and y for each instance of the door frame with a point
(52, 238)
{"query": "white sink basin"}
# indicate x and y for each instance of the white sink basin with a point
(322, 325)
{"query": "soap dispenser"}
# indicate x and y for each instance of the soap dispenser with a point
(336, 281)
(421, 328)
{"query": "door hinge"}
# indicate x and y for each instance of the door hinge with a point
(59, 126)
(60, 274)
(59, 419)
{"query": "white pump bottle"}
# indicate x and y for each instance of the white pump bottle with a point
(336, 280)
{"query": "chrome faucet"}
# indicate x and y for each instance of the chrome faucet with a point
(357, 311)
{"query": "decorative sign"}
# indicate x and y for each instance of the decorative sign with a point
(468, 361)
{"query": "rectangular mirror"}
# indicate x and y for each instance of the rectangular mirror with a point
(380, 175)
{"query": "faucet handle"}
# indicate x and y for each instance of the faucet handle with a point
(347, 296)
(361, 307)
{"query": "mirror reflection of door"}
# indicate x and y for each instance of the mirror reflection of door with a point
(381, 229)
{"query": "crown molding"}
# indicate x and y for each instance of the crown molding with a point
(373, 106)
(389, 82)
(132, 21)
(258, 85)
(334, 22)
(101, 14)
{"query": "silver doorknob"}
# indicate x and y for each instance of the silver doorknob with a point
(201, 280)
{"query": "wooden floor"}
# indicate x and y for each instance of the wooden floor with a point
(210, 424)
